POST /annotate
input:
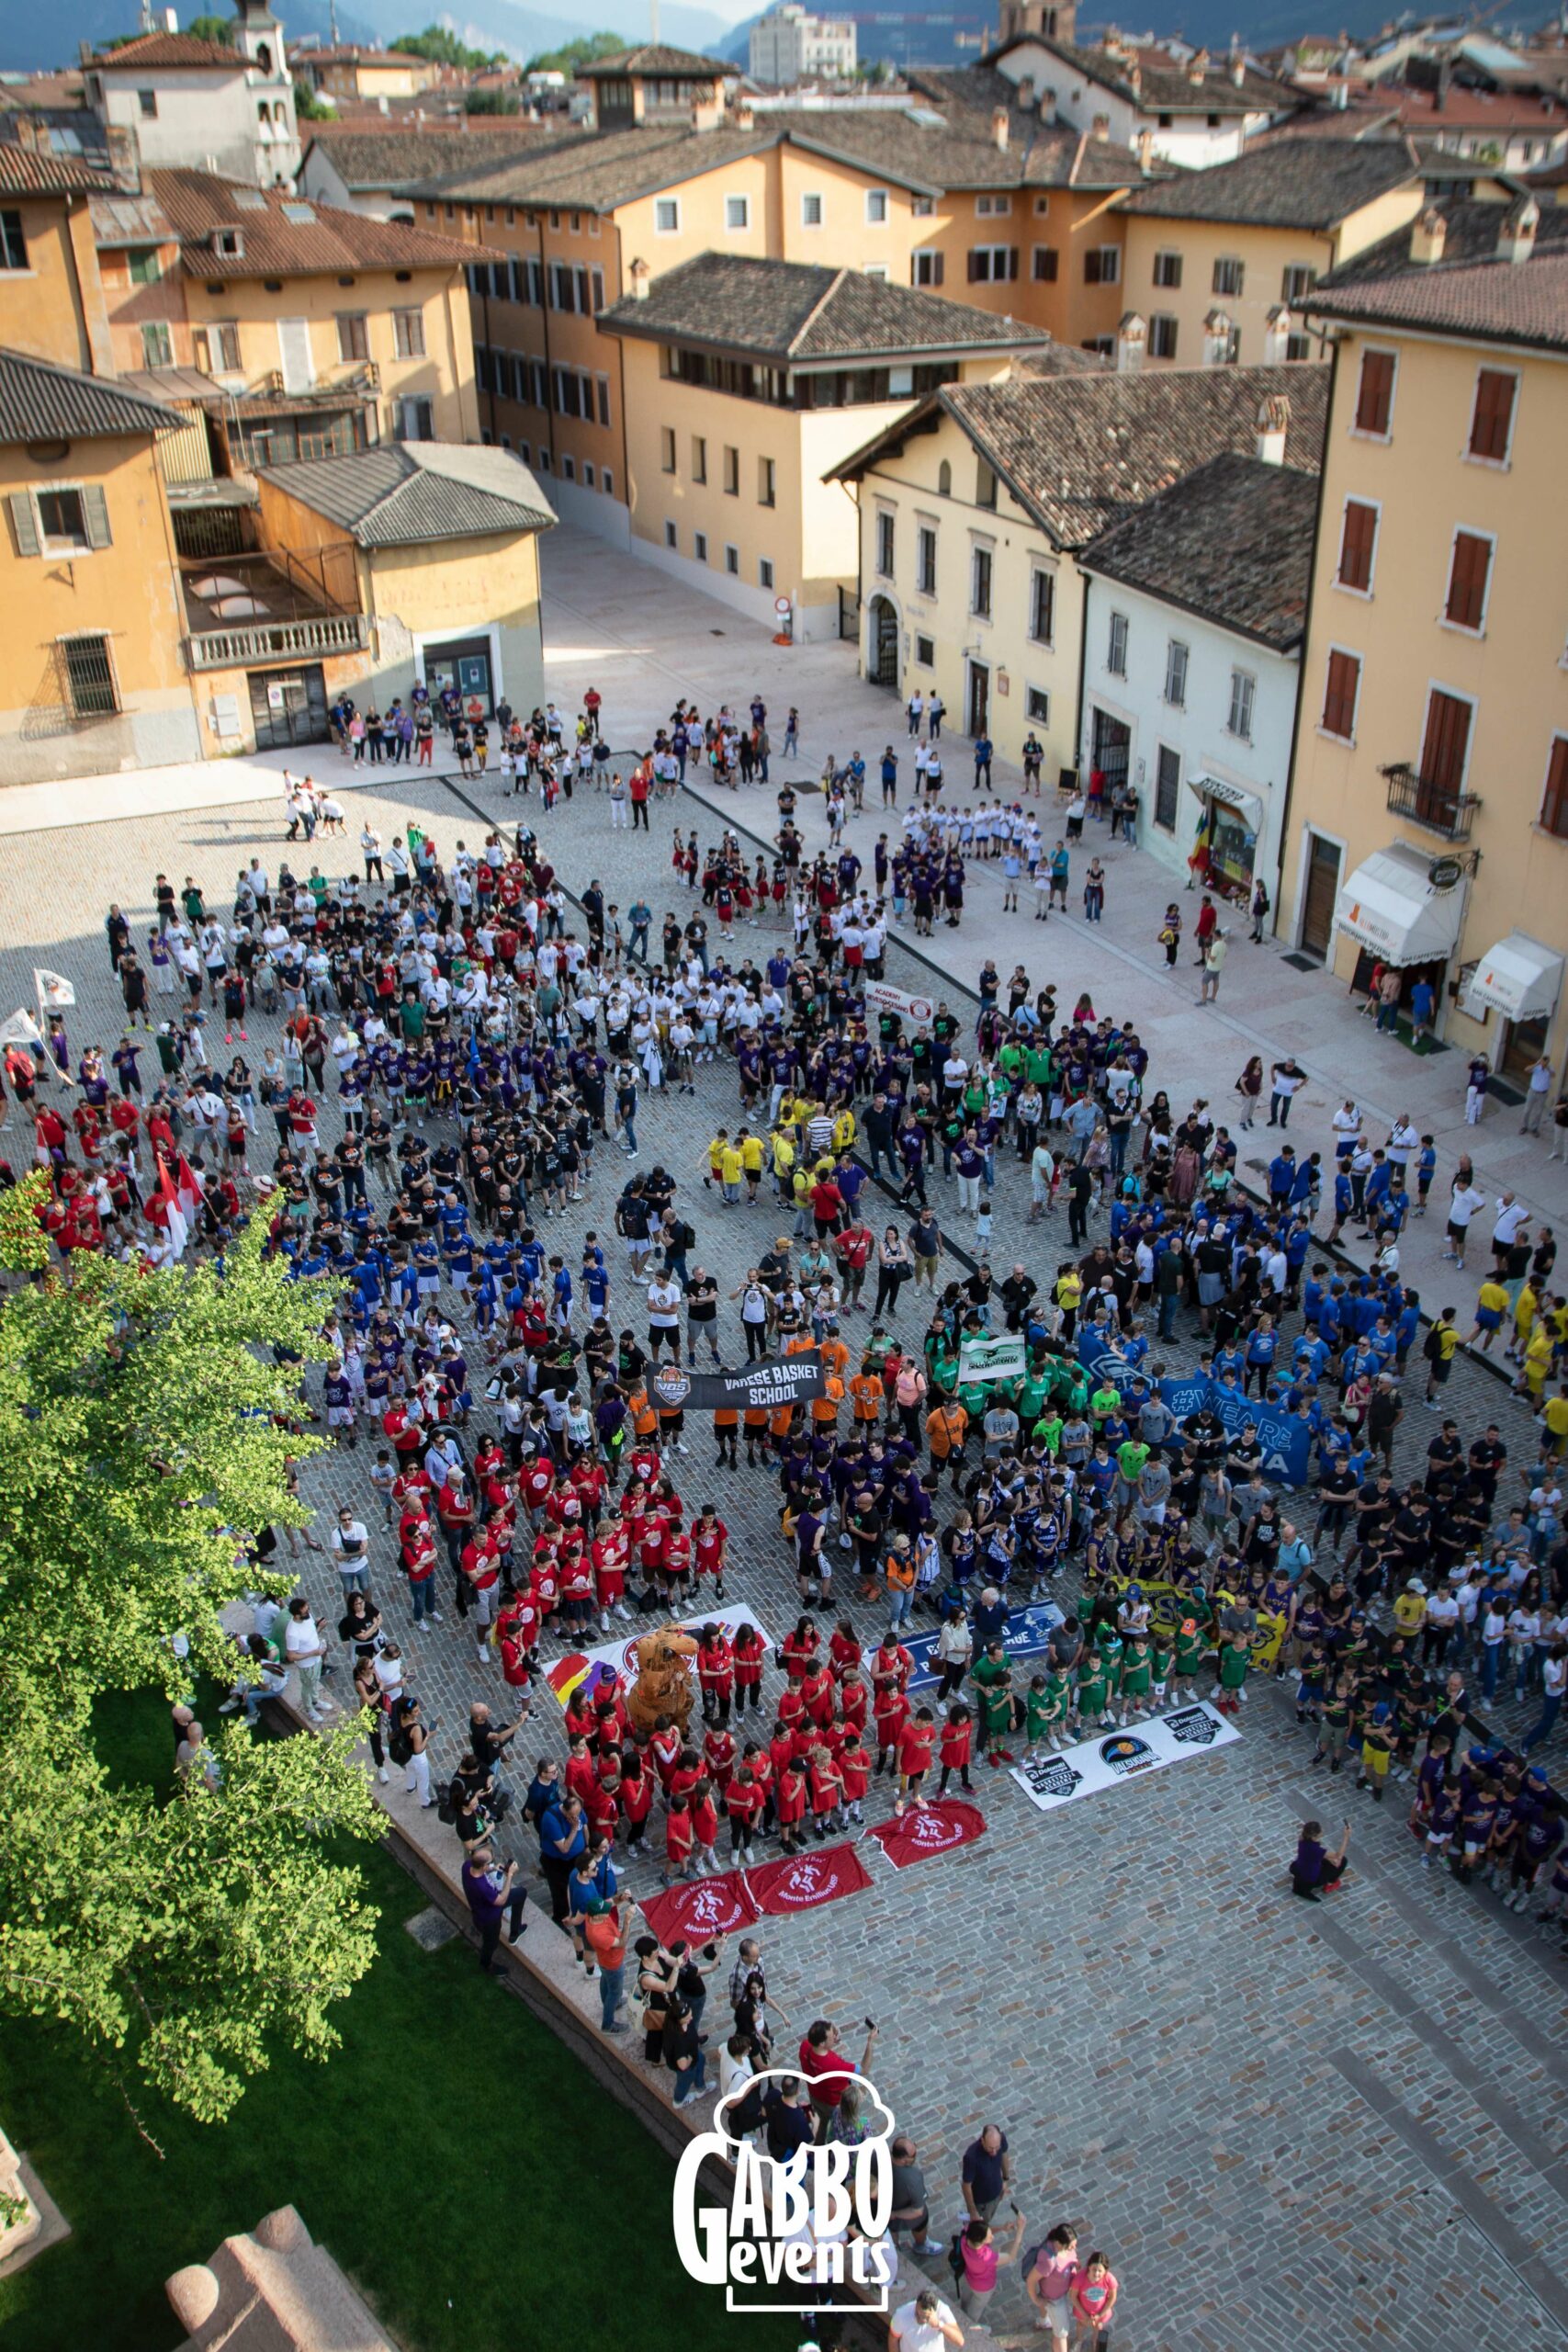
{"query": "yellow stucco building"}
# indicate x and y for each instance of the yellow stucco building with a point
(974, 506)
(746, 383)
(1428, 822)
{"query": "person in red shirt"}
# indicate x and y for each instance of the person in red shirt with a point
(799, 1649)
(818, 1693)
(678, 1563)
(715, 1672)
(856, 1766)
(718, 1757)
(664, 1747)
(601, 1811)
(792, 1708)
(705, 1825)
(580, 1722)
(581, 1773)
(827, 1784)
(844, 1646)
(710, 1547)
(688, 1771)
(826, 2068)
(610, 1573)
(514, 1670)
(759, 1763)
(852, 1699)
(957, 1734)
(750, 1652)
(636, 1794)
(892, 1712)
(677, 1841)
(790, 1801)
(743, 1802)
(915, 1740)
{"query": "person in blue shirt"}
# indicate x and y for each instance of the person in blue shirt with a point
(1262, 1347)
(1426, 1169)
(560, 1293)
(1380, 1182)
(1344, 1202)
(982, 763)
(1281, 1176)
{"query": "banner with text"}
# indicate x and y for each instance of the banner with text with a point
(1028, 1634)
(1003, 1358)
(880, 997)
(759, 1387)
(1286, 1438)
(1095, 1764)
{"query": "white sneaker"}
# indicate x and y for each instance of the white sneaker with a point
(384, 1774)
(621, 1610)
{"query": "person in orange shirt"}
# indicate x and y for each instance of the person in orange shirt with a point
(825, 1409)
(725, 1427)
(946, 1428)
(754, 1420)
(865, 1397)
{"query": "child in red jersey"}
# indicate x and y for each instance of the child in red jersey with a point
(957, 1735)
(705, 1825)
(854, 1764)
(677, 1842)
(790, 1800)
(827, 1785)
(750, 1652)
(915, 1740)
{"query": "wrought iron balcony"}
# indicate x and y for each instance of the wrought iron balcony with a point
(1436, 807)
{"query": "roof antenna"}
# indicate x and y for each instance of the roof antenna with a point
(653, 22)
(332, 22)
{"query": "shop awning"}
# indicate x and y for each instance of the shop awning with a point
(1248, 806)
(1389, 904)
(1519, 977)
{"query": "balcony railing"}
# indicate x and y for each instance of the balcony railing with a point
(1437, 807)
(234, 649)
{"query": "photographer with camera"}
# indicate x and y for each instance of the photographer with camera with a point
(826, 2071)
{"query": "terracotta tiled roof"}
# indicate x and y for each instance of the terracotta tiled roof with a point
(655, 58)
(40, 402)
(1152, 79)
(285, 236)
(365, 158)
(1288, 184)
(1473, 292)
(24, 172)
(785, 313)
(1232, 543)
(1079, 452)
(171, 48)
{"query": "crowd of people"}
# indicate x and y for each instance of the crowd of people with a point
(487, 1044)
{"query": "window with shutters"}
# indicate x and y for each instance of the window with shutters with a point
(144, 265)
(926, 267)
(596, 288)
(1243, 694)
(737, 212)
(217, 347)
(1554, 808)
(13, 240)
(408, 334)
(1163, 328)
(1469, 570)
(66, 520)
(992, 265)
(1042, 608)
(992, 206)
(811, 209)
(1175, 657)
(699, 458)
(667, 216)
(1374, 394)
(925, 560)
(1046, 265)
(1341, 691)
(1445, 752)
(1229, 275)
(980, 583)
(925, 651)
(767, 483)
(1358, 545)
(89, 673)
(1167, 270)
(1492, 418)
(157, 345)
(884, 546)
(1102, 265)
(1297, 282)
(353, 335)
(1116, 646)
(875, 207)
(667, 448)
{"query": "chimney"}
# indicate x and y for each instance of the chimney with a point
(744, 118)
(1026, 97)
(31, 133)
(639, 275)
(1445, 77)
(1273, 423)
(1238, 68)
(999, 129)
(1131, 339)
(1102, 126)
(1198, 68)
(125, 159)
(1144, 145)
(1135, 78)
(1428, 236)
(1516, 234)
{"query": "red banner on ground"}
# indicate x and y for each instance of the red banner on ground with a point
(799, 1881)
(933, 1828)
(701, 1908)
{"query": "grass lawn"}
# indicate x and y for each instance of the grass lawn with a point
(464, 2169)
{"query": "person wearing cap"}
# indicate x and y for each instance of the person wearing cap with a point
(606, 1937)
(495, 1900)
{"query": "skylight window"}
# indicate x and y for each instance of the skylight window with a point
(303, 215)
(249, 199)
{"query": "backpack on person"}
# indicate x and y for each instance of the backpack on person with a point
(400, 1746)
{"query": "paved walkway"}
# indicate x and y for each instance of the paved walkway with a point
(646, 640)
(1283, 2129)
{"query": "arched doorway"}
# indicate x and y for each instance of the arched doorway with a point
(882, 644)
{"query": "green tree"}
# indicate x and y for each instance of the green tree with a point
(309, 108)
(573, 54)
(212, 29)
(492, 102)
(144, 1419)
(444, 47)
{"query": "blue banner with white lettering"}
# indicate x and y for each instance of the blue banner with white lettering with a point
(1286, 1438)
(1027, 1636)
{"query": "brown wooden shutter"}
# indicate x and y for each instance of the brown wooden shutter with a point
(973, 264)
(1448, 739)
(1013, 261)
(24, 522)
(1339, 695)
(1554, 808)
(1467, 580)
(1494, 416)
(1374, 398)
(1358, 539)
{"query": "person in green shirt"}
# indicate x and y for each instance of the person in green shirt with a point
(1236, 1658)
(1162, 1650)
(1037, 1065)
(1048, 1432)
(1038, 1717)
(1034, 1393)
(1137, 1680)
(411, 1016)
(1072, 1387)
(1191, 1647)
(1059, 1705)
(1093, 1699)
(1105, 1401)
(1131, 1456)
(992, 1677)
(1012, 1060)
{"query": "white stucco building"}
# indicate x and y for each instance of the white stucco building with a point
(225, 106)
(1195, 611)
(1182, 107)
(789, 45)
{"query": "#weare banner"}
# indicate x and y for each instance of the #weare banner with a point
(1028, 1634)
(760, 1385)
(564, 1675)
(1286, 1438)
(1006, 1358)
(1095, 1764)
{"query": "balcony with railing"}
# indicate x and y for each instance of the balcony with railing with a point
(272, 605)
(1437, 807)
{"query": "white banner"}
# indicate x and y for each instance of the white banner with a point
(1006, 1358)
(1116, 1755)
(55, 992)
(21, 1029)
(565, 1675)
(882, 998)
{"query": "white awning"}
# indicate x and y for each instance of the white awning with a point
(1519, 977)
(1389, 904)
(1246, 805)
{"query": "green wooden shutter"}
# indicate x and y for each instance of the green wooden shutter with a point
(24, 522)
(94, 507)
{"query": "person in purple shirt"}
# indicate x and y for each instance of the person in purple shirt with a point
(495, 1900)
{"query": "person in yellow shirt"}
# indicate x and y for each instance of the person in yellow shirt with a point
(751, 1160)
(1536, 1363)
(844, 1131)
(1554, 1418)
(716, 1158)
(731, 1166)
(1491, 1305)
(1525, 1309)
(783, 1160)
(1069, 1296)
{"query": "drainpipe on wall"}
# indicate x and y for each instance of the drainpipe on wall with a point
(1302, 689)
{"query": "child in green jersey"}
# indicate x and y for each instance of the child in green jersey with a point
(1037, 1717)
(1236, 1657)
(1137, 1680)
(1192, 1646)
(1162, 1652)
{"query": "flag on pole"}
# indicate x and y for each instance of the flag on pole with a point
(187, 1186)
(164, 1210)
(21, 1029)
(55, 992)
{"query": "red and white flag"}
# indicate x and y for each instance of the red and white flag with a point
(187, 1185)
(164, 1209)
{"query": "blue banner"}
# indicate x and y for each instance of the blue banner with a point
(1027, 1636)
(1286, 1438)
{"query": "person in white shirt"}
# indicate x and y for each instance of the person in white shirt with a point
(1512, 1218)
(1536, 1092)
(927, 2325)
(1463, 1205)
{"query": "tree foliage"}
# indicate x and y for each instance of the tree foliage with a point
(212, 29)
(141, 1417)
(309, 108)
(572, 54)
(444, 47)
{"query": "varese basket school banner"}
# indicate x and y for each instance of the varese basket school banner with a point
(1286, 1438)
